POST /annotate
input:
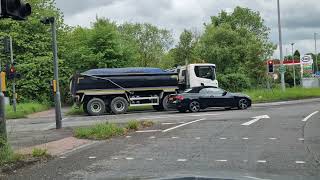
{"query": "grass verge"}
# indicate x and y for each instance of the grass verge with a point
(264, 95)
(25, 109)
(79, 110)
(108, 130)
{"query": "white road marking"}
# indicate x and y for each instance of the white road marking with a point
(62, 157)
(301, 139)
(149, 159)
(174, 137)
(169, 123)
(245, 161)
(199, 115)
(300, 162)
(222, 138)
(273, 138)
(181, 160)
(128, 136)
(221, 160)
(152, 137)
(261, 161)
(149, 131)
(245, 138)
(198, 138)
(115, 158)
(255, 119)
(129, 158)
(181, 125)
(251, 177)
(308, 117)
(92, 157)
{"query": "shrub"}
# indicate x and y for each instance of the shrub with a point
(235, 82)
(37, 152)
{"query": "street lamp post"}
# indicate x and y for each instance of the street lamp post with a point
(294, 66)
(316, 51)
(52, 21)
(283, 86)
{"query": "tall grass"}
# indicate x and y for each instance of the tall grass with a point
(265, 95)
(24, 109)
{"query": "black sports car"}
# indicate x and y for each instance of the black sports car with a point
(198, 98)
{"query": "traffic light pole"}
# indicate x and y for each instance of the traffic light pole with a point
(3, 128)
(56, 74)
(14, 96)
(283, 85)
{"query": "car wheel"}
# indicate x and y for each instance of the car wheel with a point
(243, 104)
(96, 107)
(119, 105)
(194, 106)
(182, 110)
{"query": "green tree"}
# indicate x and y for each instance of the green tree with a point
(237, 42)
(297, 54)
(33, 50)
(152, 42)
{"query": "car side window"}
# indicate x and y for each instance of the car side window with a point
(214, 91)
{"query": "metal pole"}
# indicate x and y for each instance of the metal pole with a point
(56, 75)
(283, 85)
(14, 99)
(294, 67)
(316, 51)
(3, 127)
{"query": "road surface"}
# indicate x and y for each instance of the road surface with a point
(265, 142)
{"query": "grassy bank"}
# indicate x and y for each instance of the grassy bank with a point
(24, 109)
(79, 110)
(108, 130)
(264, 95)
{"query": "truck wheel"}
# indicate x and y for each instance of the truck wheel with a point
(96, 107)
(158, 108)
(165, 104)
(84, 107)
(119, 105)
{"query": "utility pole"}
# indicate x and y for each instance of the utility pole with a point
(14, 98)
(316, 51)
(3, 128)
(294, 66)
(283, 85)
(52, 22)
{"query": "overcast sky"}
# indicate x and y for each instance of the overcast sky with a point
(300, 18)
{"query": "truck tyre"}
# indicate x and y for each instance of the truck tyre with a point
(96, 107)
(84, 107)
(119, 105)
(158, 108)
(165, 104)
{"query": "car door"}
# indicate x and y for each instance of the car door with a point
(218, 98)
(205, 97)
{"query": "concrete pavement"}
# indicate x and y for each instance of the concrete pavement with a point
(211, 144)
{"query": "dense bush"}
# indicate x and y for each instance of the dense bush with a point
(234, 82)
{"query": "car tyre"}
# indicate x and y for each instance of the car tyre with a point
(96, 107)
(119, 105)
(194, 106)
(243, 104)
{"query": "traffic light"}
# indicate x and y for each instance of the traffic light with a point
(270, 67)
(12, 73)
(16, 9)
(6, 44)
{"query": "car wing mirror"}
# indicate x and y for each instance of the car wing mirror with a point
(224, 93)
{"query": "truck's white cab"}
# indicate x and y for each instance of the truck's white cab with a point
(195, 75)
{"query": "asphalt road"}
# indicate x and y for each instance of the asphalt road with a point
(264, 142)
